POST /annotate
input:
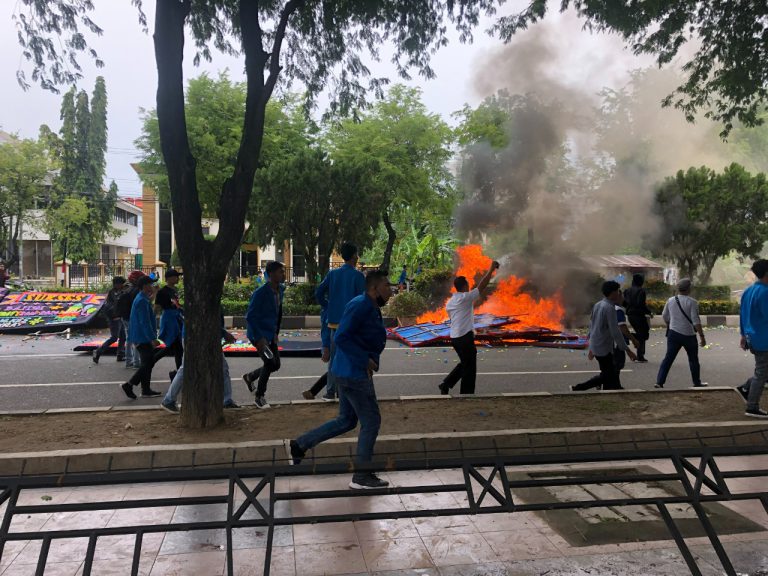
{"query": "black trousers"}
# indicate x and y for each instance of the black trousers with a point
(610, 367)
(319, 385)
(176, 349)
(642, 330)
(143, 375)
(262, 374)
(466, 369)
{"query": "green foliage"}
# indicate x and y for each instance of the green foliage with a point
(726, 69)
(706, 215)
(231, 307)
(434, 285)
(69, 226)
(705, 306)
(405, 304)
(24, 166)
(301, 309)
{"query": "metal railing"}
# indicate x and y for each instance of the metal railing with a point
(488, 482)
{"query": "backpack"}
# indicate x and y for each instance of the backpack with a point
(125, 302)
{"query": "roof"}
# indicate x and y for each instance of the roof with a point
(631, 261)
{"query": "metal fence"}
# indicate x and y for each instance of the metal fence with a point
(488, 482)
(90, 275)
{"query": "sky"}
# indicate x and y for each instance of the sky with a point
(584, 59)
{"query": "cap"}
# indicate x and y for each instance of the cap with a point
(684, 285)
(134, 276)
(143, 281)
(172, 272)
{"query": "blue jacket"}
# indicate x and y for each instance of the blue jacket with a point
(753, 316)
(143, 328)
(361, 336)
(264, 315)
(336, 290)
(325, 332)
(171, 323)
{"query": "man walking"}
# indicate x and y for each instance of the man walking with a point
(264, 315)
(619, 356)
(638, 314)
(333, 294)
(753, 323)
(461, 311)
(143, 333)
(605, 335)
(681, 315)
(124, 306)
(116, 326)
(171, 320)
(360, 340)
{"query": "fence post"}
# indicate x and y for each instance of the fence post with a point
(101, 271)
(84, 264)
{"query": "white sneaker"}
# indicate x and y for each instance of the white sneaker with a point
(261, 402)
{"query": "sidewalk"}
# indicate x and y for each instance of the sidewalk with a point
(522, 543)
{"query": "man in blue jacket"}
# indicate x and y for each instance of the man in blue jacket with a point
(333, 294)
(143, 333)
(754, 337)
(265, 312)
(360, 340)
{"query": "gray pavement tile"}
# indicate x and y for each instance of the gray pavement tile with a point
(746, 557)
(487, 569)
(409, 572)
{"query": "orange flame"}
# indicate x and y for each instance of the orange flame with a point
(507, 299)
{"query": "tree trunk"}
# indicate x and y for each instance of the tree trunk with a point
(391, 237)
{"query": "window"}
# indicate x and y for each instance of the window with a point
(125, 217)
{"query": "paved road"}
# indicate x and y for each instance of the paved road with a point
(47, 374)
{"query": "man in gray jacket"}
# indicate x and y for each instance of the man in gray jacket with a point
(605, 335)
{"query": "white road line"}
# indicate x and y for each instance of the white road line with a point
(21, 356)
(313, 377)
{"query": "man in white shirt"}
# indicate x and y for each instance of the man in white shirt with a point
(681, 315)
(461, 311)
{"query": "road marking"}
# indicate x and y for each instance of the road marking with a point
(41, 355)
(313, 377)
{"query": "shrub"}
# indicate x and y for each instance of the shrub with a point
(301, 294)
(234, 307)
(434, 286)
(656, 289)
(712, 292)
(705, 306)
(406, 304)
(290, 309)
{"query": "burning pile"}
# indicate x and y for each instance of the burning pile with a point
(508, 317)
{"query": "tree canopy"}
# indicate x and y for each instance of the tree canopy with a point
(707, 215)
(726, 75)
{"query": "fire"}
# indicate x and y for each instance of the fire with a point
(508, 297)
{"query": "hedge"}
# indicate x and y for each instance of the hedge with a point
(705, 306)
(658, 290)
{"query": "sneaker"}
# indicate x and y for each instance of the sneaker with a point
(169, 407)
(642, 360)
(150, 393)
(367, 482)
(329, 397)
(307, 395)
(249, 383)
(443, 390)
(701, 385)
(659, 386)
(128, 389)
(297, 454)
(96, 356)
(172, 375)
(744, 393)
(261, 402)
(120, 358)
(758, 413)
(232, 405)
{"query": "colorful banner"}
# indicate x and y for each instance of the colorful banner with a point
(41, 310)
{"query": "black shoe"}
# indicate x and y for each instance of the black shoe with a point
(231, 405)
(744, 393)
(128, 389)
(297, 454)
(642, 360)
(756, 413)
(659, 386)
(150, 393)
(170, 407)
(261, 402)
(307, 395)
(96, 356)
(367, 482)
(172, 375)
(329, 397)
(120, 358)
(443, 389)
(249, 383)
(701, 385)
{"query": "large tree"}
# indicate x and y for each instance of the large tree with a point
(24, 170)
(317, 42)
(315, 203)
(723, 42)
(409, 148)
(707, 215)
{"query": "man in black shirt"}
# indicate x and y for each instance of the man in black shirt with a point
(116, 327)
(171, 321)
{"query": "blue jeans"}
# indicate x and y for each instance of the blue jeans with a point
(756, 384)
(132, 359)
(676, 341)
(178, 382)
(357, 401)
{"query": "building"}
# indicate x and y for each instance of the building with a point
(36, 255)
(622, 267)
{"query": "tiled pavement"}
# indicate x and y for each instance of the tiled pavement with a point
(501, 544)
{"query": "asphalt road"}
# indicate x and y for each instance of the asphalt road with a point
(45, 373)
